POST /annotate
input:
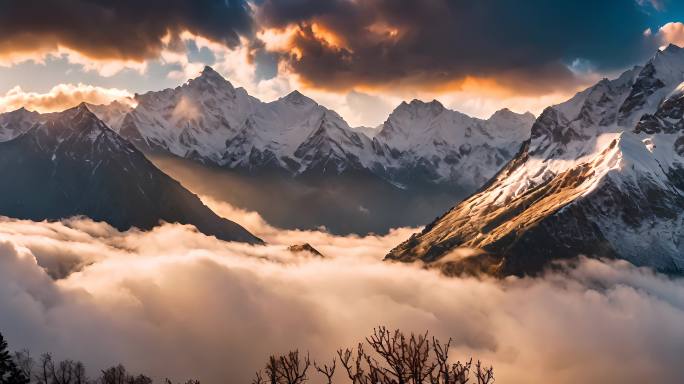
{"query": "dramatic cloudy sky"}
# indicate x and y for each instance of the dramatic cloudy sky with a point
(358, 57)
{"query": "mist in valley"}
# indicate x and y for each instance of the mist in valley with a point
(345, 204)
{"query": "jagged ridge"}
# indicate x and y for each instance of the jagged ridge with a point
(601, 176)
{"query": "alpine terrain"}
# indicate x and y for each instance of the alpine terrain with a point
(71, 163)
(423, 159)
(209, 120)
(602, 175)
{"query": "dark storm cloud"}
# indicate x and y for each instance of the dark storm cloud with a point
(117, 29)
(526, 45)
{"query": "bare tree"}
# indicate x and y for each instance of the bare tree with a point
(24, 362)
(327, 371)
(483, 374)
(285, 369)
(259, 379)
(114, 375)
(445, 373)
(293, 370)
(63, 372)
(80, 373)
(46, 368)
(393, 358)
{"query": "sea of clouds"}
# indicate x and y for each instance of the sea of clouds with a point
(175, 303)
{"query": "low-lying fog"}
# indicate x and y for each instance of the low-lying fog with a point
(344, 204)
(175, 303)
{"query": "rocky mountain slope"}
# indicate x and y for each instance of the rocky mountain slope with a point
(602, 175)
(73, 164)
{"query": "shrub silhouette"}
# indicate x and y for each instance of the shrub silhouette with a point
(386, 357)
(392, 358)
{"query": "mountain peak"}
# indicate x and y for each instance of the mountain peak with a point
(507, 114)
(433, 104)
(83, 107)
(210, 72)
(80, 119)
(209, 77)
(296, 97)
(503, 112)
(79, 112)
(672, 48)
(420, 108)
(21, 112)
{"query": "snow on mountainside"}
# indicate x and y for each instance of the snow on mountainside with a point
(12, 124)
(370, 132)
(193, 120)
(312, 153)
(297, 134)
(448, 146)
(73, 164)
(602, 175)
(208, 120)
(111, 114)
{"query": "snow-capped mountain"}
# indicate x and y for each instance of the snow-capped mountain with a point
(602, 175)
(320, 164)
(12, 124)
(193, 120)
(209, 120)
(445, 146)
(111, 114)
(297, 134)
(73, 164)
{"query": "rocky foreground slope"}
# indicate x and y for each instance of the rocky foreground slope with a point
(602, 175)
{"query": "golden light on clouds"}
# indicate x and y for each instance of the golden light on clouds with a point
(326, 35)
(672, 33)
(278, 39)
(61, 97)
(383, 29)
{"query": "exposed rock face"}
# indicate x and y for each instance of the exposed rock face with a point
(306, 247)
(73, 164)
(602, 176)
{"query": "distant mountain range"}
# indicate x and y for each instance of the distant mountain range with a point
(423, 159)
(602, 175)
(209, 120)
(71, 164)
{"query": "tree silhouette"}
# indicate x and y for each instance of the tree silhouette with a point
(327, 371)
(9, 372)
(284, 369)
(22, 369)
(393, 358)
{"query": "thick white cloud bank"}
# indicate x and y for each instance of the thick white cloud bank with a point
(173, 302)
